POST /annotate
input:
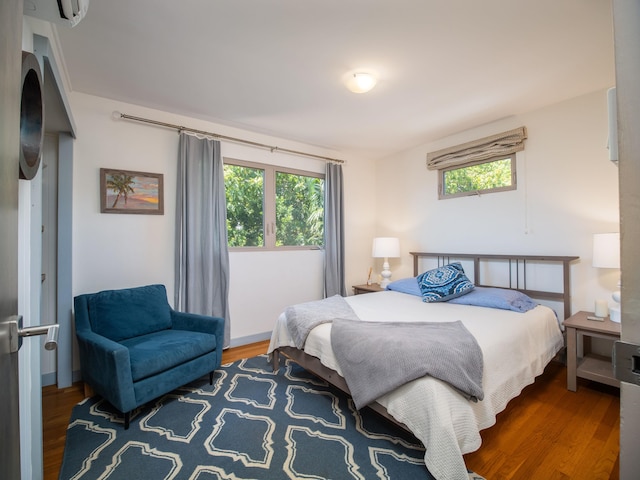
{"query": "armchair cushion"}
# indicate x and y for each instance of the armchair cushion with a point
(131, 312)
(159, 351)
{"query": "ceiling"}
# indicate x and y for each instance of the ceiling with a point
(278, 66)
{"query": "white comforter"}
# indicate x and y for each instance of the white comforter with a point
(516, 348)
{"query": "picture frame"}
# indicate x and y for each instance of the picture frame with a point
(126, 191)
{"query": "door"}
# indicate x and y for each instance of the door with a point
(10, 79)
(627, 55)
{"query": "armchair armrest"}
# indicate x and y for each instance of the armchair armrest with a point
(201, 323)
(106, 367)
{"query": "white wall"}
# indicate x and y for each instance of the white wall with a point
(118, 251)
(567, 191)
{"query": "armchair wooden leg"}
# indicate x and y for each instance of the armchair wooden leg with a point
(88, 391)
(210, 378)
(127, 419)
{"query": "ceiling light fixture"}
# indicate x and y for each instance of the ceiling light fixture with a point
(361, 82)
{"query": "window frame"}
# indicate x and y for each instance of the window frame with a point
(269, 204)
(442, 171)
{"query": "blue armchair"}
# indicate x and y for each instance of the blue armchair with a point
(134, 347)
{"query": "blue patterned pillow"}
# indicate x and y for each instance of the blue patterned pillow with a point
(444, 283)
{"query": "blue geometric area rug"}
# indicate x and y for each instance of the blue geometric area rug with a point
(250, 424)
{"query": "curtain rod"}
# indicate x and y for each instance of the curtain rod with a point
(223, 137)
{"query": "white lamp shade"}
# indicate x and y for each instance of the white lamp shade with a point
(606, 250)
(386, 247)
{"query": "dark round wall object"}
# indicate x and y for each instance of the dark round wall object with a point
(31, 117)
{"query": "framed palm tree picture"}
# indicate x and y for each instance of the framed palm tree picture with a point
(124, 191)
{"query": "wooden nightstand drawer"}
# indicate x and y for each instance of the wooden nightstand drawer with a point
(359, 289)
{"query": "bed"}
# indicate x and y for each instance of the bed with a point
(516, 347)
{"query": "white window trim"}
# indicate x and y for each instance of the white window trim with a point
(442, 171)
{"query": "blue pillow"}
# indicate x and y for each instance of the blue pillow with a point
(406, 285)
(444, 283)
(502, 298)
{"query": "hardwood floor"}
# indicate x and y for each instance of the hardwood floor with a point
(549, 432)
(546, 433)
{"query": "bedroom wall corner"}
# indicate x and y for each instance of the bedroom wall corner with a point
(119, 250)
(361, 198)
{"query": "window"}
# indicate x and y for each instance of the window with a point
(479, 166)
(273, 207)
(496, 174)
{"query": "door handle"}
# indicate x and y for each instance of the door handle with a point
(16, 334)
(51, 331)
(626, 362)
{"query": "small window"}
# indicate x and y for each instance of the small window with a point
(273, 207)
(497, 174)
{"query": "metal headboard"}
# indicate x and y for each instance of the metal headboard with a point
(516, 262)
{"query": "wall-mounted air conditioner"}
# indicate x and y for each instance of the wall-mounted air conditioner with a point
(613, 125)
(66, 12)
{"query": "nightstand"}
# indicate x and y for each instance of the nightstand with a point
(374, 287)
(580, 361)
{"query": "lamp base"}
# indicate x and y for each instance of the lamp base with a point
(614, 314)
(385, 274)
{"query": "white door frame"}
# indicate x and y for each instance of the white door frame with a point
(626, 14)
(29, 292)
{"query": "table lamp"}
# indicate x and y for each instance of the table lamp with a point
(385, 247)
(606, 254)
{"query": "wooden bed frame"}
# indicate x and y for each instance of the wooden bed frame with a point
(516, 264)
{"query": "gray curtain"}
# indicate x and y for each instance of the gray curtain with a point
(333, 232)
(202, 254)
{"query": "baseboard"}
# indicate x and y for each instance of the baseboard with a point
(258, 337)
(49, 379)
(52, 378)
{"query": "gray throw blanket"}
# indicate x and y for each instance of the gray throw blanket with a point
(303, 317)
(376, 357)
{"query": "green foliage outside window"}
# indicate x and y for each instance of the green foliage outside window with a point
(299, 210)
(299, 207)
(244, 188)
(478, 178)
